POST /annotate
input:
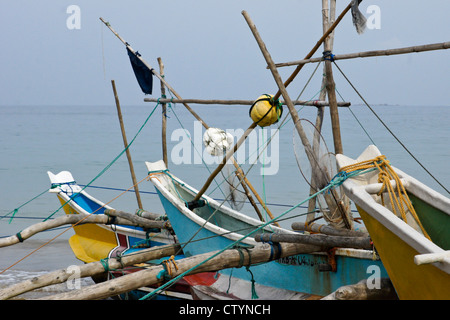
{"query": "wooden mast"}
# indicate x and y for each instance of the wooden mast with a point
(328, 15)
(130, 162)
(331, 92)
(319, 118)
(164, 118)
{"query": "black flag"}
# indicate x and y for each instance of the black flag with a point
(143, 74)
(359, 21)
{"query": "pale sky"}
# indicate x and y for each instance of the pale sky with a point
(209, 51)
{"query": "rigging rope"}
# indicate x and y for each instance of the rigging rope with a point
(22, 205)
(398, 140)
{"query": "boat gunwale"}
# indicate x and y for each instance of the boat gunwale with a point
(357, 192)
(348, 252)
(423, 192)
(113, 227)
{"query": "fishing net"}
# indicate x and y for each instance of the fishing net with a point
(318, 167)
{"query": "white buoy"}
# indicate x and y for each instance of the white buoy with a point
(216, 141)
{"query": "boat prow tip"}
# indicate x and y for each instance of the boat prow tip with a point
(156, 166)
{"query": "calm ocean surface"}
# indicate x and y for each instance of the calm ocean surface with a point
(84, 140)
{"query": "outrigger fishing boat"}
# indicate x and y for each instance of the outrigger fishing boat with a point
(97, 242)
(407, 221)
(215, 226)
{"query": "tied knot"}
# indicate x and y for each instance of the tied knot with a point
(327, 55)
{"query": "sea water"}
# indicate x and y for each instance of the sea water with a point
(86, 139)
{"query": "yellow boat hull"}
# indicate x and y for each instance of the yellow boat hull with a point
(90, 242)
(412, 282)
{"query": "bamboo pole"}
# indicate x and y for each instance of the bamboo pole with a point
(127, 149)
(240, 175)
(319, 119)
(335, 124)
(314, 49)
(188, 108)
(139, 221)
(361, 291)
(68, 219)
(325, 229)
(311, 103)
(207, 262)
(89, 270)
(373, 53)
(328, 15)
(318, 240)
(148, 215)
(164, 117)
(331, 92)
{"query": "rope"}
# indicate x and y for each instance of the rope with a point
(22, 205)
(385, 175)
(356, 118)
(398, 140)
(166, 273)
(327, 55)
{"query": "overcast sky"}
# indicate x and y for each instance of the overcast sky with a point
(209, 51)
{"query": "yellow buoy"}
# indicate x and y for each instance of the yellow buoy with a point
(265, 111)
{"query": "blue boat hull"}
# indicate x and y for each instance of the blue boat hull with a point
(298, 273)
